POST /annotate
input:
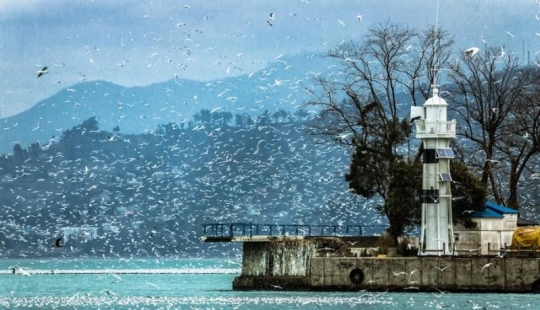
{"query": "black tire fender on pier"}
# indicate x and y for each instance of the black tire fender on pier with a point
(535, 287)
(356, 276)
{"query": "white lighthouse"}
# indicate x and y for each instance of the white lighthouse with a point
(436, 132)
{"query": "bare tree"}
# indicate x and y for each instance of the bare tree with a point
(521, 140)
(366, 104)
(495, 103)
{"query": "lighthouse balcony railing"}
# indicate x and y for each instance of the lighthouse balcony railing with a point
(426, 128)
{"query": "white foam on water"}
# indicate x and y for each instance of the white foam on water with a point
(129, 271)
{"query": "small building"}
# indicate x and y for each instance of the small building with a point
(494, 229)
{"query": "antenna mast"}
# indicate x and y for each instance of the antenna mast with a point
(435, 70)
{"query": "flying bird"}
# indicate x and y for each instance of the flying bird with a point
(359, 17)
(58, 243)
(485, 266)
(42, 72)
(443, 268)
(271, 19)
(471, 51)
(416, 118)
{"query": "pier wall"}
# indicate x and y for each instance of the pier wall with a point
(283, 258)
(323, 264)
(455, 274)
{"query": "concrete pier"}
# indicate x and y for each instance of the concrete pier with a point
(332, 264)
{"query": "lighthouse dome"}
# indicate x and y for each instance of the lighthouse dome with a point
(435, 107)
(435, 99)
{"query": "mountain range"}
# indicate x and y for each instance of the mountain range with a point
(142, 109)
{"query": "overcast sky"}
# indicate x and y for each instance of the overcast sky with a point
(138, 42)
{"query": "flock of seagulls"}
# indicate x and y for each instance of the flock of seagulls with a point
(167, 184)
(201, 178)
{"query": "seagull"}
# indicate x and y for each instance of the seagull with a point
(271, 19)
(276, 287)
(440, 293)
(24, 272)
(485, 266)
(416, 118)
(501, 54)
(412, 272)
(471, 51)
(42, 72)
(152, 284)
(442, 269)
(475, 306)
(117, 277)
(153, 232)
(510, 34)
(58, 243)
(359, 17)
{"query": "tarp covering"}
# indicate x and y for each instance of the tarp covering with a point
(526, 237)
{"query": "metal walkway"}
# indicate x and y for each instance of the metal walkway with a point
(229, 230)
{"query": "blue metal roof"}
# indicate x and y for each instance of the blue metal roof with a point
(487, 213)
(500, 209)
(494, 210)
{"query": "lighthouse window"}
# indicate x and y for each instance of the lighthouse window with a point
(445, 177)
(445, 153)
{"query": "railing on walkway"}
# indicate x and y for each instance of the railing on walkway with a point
(250, 229)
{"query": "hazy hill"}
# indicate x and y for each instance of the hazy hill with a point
(142, 109)
(171, 181)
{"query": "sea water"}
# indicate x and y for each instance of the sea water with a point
(199, 284)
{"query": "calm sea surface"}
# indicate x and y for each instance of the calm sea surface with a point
(199, 284)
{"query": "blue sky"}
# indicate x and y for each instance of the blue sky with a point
(136, 43)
